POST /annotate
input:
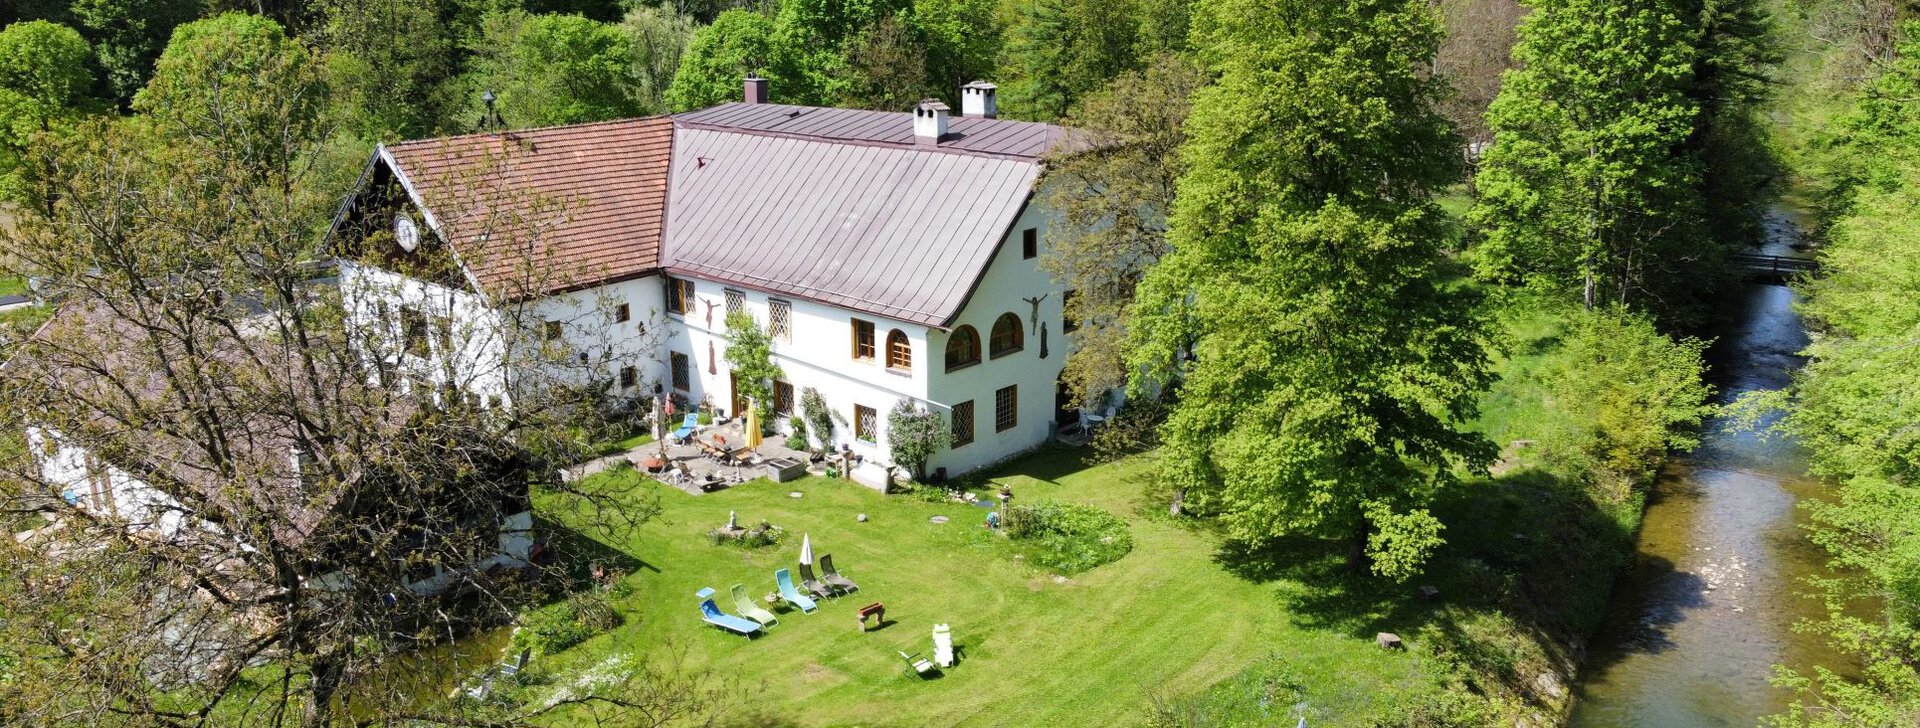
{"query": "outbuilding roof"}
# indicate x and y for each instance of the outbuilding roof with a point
(545, 210)
(898, 232)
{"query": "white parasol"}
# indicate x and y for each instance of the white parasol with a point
(806, 549)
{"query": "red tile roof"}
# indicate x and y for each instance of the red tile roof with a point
(546, 210)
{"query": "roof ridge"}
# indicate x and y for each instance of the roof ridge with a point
(530, 130)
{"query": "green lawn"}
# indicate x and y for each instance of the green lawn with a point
(12, 285)
(1094, 650)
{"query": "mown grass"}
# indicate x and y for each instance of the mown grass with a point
(12, 285)
(1174, 616)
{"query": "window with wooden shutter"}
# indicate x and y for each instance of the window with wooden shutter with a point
(862, 340)
(1006, 408)
(899, 351)
(866, 423)
(679, 296)
(782, 398)
(780, 319)
(962, 424)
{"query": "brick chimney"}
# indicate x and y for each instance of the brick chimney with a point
(929, 122)
(756, 89)
(977, 101)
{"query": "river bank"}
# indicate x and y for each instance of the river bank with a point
(1718, 578)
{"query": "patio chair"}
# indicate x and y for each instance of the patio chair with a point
(942, 645)
(687, 426)
(833, 575)
(743, 603)
(813, 585)
(918, 665)
(793, 596)
(711, 614)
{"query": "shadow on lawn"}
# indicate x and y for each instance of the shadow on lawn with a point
(575, 553)
(1525, 576)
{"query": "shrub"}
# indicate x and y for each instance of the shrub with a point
(798, 441)
(1634, 394)
(705, 417)
(1068, 537)
(561, 625)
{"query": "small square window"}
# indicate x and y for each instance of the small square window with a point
(1006, 409)
(1029, 243)
(553, 330)
(622, 313)
(629, 377)
(583, 357)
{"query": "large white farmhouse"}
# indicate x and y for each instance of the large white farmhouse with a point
(891, 256)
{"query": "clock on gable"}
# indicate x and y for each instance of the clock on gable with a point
(405, 232)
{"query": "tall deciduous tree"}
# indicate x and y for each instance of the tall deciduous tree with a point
(1588, 186)
(660, 40)
(388, 59)
(1114, 189)
(738, 42)
(1326, 372)
(43, 87)
(1059, 50)
(548, 70)
(128, 36)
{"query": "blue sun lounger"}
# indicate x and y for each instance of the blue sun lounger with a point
(687, 426)
(792, 595)
(711, 614)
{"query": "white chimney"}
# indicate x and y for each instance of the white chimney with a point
(929, 121)
(977, 100)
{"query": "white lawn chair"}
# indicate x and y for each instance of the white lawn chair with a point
(942, 645)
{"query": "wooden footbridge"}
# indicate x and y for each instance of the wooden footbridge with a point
(1775, 268)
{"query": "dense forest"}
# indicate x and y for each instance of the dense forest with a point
(1398, 279)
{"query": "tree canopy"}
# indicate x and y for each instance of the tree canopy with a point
(1324, 373)
(43, 89)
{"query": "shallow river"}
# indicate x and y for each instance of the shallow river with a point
(1718, 583)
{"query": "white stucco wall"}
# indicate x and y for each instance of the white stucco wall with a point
(817, 354)
(481, 338)
(1009, 280)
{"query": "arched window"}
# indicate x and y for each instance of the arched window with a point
(899, 350)
(963, 348)
(1006, 335)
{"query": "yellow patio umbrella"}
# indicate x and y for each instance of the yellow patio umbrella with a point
(753, 428)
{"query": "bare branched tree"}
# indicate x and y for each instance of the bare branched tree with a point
(257, 494)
